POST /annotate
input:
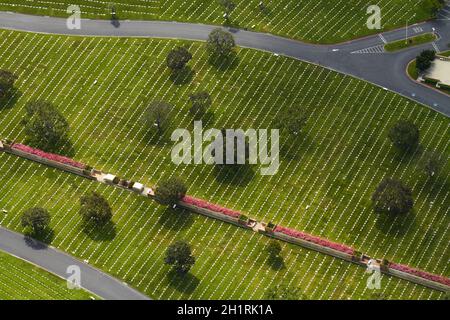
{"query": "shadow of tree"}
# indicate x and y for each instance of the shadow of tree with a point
(236, 175)
(10, 100)
(224, 62)
(183, 283)
(103, 233)
(42, 238)
(176, 219)
(395, 225)
(183, 76)
(115, 21)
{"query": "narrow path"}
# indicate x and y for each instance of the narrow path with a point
(57, 262)
(383, 69)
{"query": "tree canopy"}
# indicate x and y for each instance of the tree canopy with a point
(404, 135)
(431, 163)
(201, 101)
(35, 218)
(228, 6)
(179, 256)
(423, 61)
(95, 209)
(220, 42)
(157, 115)
(170, 191)
(7, 80)
(392, 196)
(44, 126)
(291, 121)
(178, 58)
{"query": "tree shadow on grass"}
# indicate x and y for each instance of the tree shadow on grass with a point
(107, 232)
(395, 225)
(154, 138)
(224, 62)
(293, 148)
(176, 219)
(10, 100)
(183, 76)
(183, 283)
(236, 175)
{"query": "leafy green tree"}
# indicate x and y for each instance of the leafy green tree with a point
(392, 196)
(170, 191)
(291, 121)
(283, 292)
(179, 256)
(45, 128)
(273, 248)
(157, 115)
(432, 6)
(7, 80)
(201, 101)
(431, 163)
(95, 209)
(178, 58)
(404, 135)
(228, 6)
(423, 61)
(220, 42)
(36, 218)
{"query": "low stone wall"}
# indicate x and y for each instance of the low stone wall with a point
(48, 162)
(418, 280)
(212, 214)
(311, 245)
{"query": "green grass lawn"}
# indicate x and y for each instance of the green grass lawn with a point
(323, 21)
(412, 70)
(323, 186)
(20, 280)
(413, 41)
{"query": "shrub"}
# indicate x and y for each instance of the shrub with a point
(95, 209)
(404, 135)
(170, 191)
(178, 58)
(392, 196)
(220, 42)
(179, 256)
(35, 218)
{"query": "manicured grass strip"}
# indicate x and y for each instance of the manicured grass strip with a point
(412, 70)
(20, 280)
(411, 42)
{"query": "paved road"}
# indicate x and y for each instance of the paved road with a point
(57, 262)
(384, 69)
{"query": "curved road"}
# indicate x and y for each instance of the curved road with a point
(57, 262)
(383, 69)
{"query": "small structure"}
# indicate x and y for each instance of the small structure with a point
(138, 187)
(109, 178)
(1, 145)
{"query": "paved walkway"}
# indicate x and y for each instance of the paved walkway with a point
(384, 69)
(57, 262)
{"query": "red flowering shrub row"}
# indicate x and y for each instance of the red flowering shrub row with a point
(210, 206)
(420, 273)
(314, 239)
(49, 156)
